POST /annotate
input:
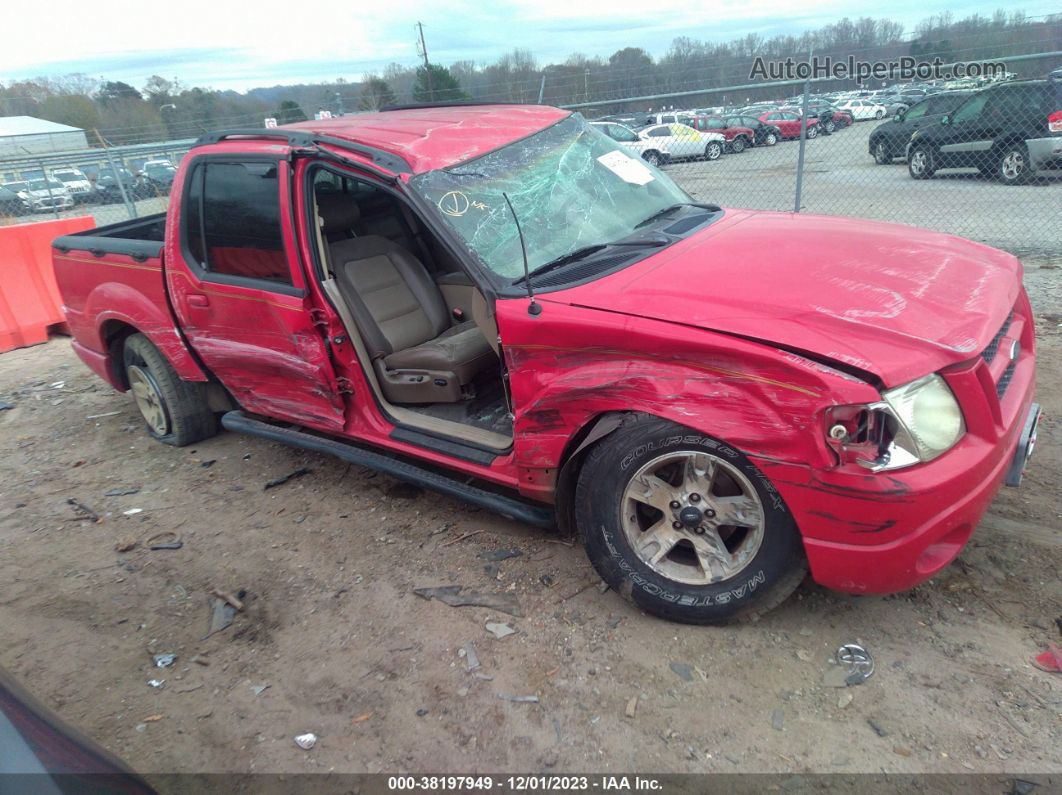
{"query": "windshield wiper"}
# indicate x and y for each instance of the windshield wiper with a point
(585, 251)
(672, 208)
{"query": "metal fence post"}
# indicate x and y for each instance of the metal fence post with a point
(803, 138)
(129, 206)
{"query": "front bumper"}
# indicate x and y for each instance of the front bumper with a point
(875, 533)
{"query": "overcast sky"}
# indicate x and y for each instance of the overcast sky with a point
(241, 45)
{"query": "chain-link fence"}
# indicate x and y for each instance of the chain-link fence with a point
(977, 158)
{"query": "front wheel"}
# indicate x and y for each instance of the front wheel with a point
(684, 526)
(921, 164)
(812, 132)
(879, 114)
(830, 125)
(770, 139)
(176, 412)
(881, 154)
(713, 151)
(652, 158)
(737, 146)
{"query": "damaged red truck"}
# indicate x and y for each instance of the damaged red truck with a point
(712, 405)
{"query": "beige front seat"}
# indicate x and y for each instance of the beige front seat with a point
(402, 318)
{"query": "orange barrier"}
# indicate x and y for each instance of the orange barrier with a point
(30, 305)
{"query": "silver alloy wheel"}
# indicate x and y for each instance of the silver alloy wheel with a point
(771, 139)
(880, 155)
(652, 158)
(713, 151)
(919, 162)
(1012, 166)
(692, 517)
(812, 132)
(148, 400)
(878, 114)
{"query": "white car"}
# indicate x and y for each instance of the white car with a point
(862, 109)
(76, 182)
(685, 143)
(652, 152)
(47, 194)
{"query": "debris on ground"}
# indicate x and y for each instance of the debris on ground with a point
(5, 406)
(164, 660)
(156, 683)
(683, 670)
(455, 596)
(104, 414)
(421, 712)
(854, 665)
(518, 699)
(222, 614)
(125, 544)
(361, 718)
(259, 689)
(235, 601)
(165, 540)
(306, 741)
(499, 630)
(132, 511)
(471, 658)
(498, 555)
(82, 510)
(200, 659)
(880, 730)
(844, 700)
(122, 492)
(777, 718)
(632, 706)
(209, 463)
(296, 473)
(1050, 660)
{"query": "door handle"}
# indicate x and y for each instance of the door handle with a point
(198, 299)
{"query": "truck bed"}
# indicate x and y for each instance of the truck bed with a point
(142, 237)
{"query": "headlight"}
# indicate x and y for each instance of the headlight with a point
(912, 424)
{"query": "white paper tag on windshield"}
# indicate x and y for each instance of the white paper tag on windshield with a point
(627, 168)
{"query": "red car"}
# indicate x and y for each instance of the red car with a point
(738, 139)
(500, 304)
(788, 123)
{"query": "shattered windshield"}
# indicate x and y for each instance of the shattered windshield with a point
(570, 185)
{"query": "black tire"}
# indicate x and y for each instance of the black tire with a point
(830, 126)
(652, 157)
(812, 132)
(921, 164)
(187, 416)
(770, 139)
(713, 151)
(878, 114)
(770, 575)
(882, 154)
(738, 145)
(1011, 165)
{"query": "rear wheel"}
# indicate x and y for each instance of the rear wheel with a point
(812, 132)
(879, 113)
(685, 526)
(176, 412)
(652, 157)
(830, 125)
(770, 138)
(1012, 165)
(922, 164)
(737, 146)
(713, 151)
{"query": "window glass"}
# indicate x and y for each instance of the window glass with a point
(971, 109)
(716, 124)
(619, 133)
(660, 132)
(238, 209)
(917, 112)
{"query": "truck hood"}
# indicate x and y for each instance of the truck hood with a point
(895, 301)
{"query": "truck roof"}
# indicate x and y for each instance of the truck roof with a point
(437, 137)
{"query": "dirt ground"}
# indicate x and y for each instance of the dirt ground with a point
(343, 648)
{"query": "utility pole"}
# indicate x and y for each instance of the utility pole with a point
(423, 52)
(339, 104)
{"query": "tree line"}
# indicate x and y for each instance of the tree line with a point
(167, 109)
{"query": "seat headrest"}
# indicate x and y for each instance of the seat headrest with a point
(338, 211)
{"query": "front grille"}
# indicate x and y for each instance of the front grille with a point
(989, 353)
(1004, 381)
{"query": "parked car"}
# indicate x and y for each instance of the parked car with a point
(763, 134)
(76, 183)
(107, 190)
(788, 123)
(889, 140)
(863, 109)
(738, 139)
(580, 346)
(654, 152)
(1011, 131)
(158, 176)
(682, 142)
(11, 200)
(45, 195)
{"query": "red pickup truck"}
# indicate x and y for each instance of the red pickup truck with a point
(499, 303)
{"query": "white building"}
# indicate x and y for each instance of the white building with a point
(22, 135)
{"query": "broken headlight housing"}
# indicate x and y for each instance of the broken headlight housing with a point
(911, 424)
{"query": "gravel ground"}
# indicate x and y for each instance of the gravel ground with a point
(332, 639)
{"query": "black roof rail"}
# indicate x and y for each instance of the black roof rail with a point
(457, 103)
(396, 164)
